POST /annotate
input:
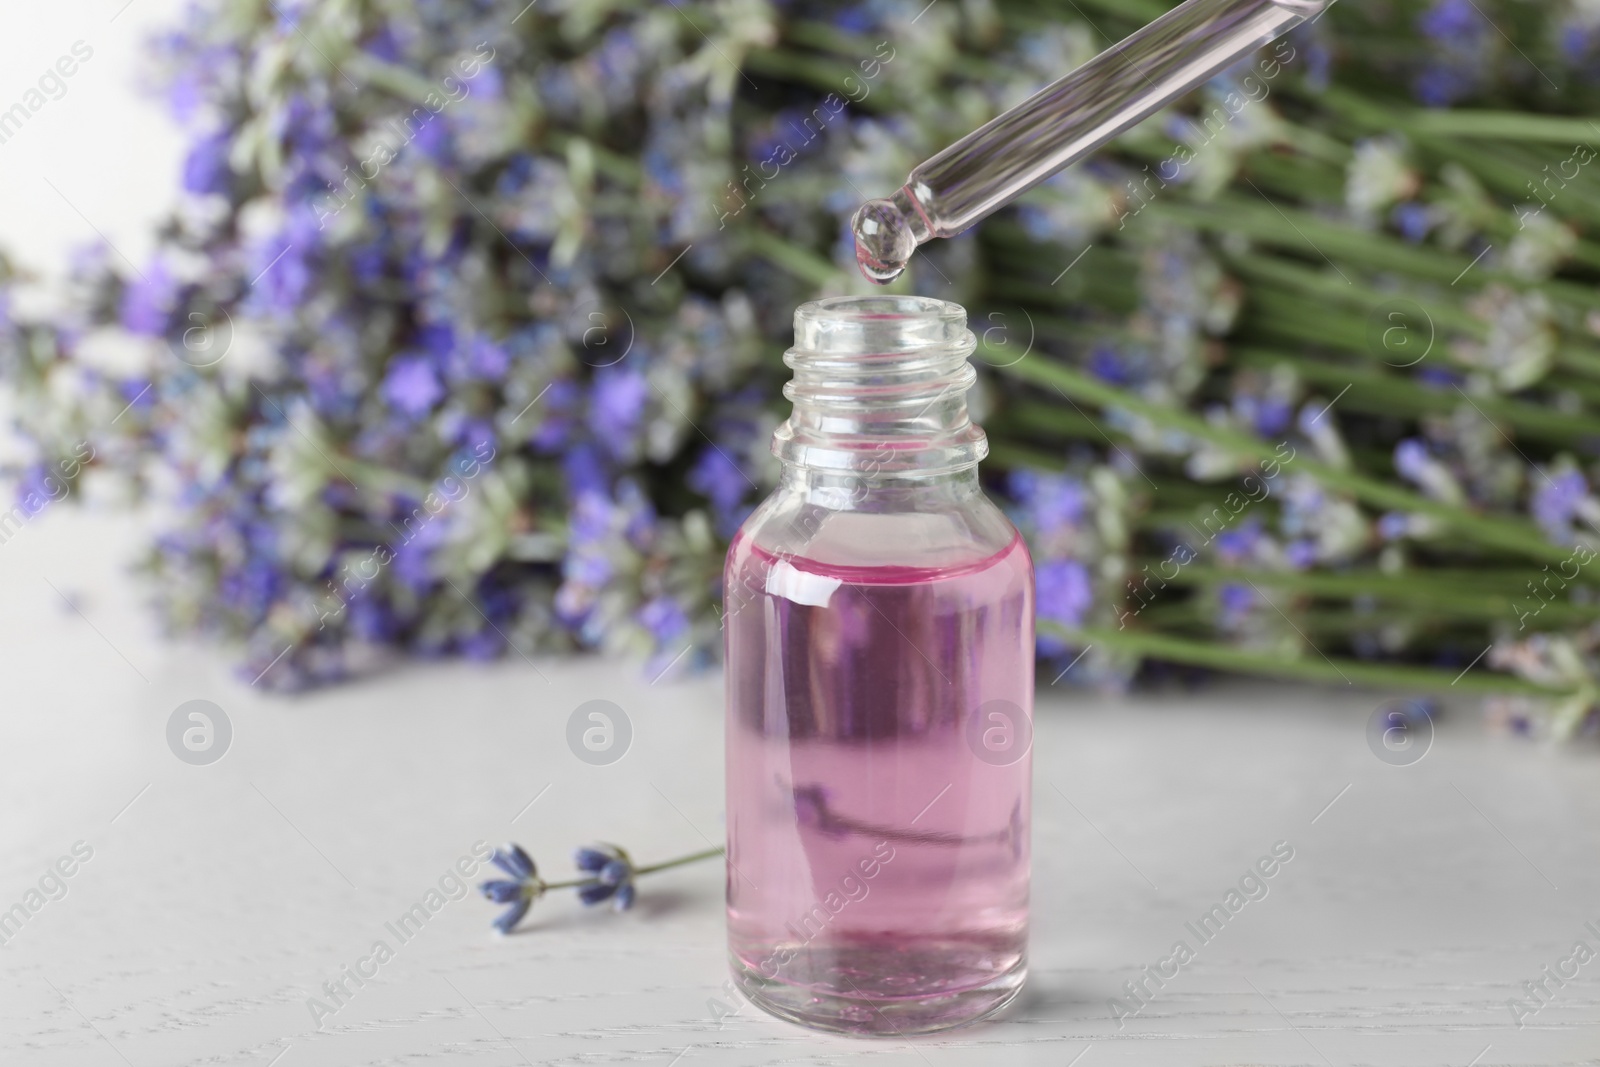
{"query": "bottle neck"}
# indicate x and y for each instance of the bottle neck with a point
(852, 491)
(880, 393)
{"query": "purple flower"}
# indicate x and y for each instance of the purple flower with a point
(283, 271)
(1578, 40)
(1268, 416)
(485, 360)
(185, 95)
(437, 340)
(385, 45)
(616, 405)
(501, 891)
(613, 873)
(520, 892)
(1443, 84)
(586, 472)
(1460, 33)
(1236, 602)
(1454, 23)
(412, 565)
(1239, 543)
(590, 519)
(514, 861)
(373, 619)
(1394, 525)
(251, 589)
(1052, 501)
(488, 84)
(1412, 460)
(1413, 220)
(1300, 554)
(482, 645)
(1106, 364)
(1065, 592)
(1556, 500)
(801, 129)
(1436, 377)
(590, 859)
(434, 140)
(38, 487)
(473, 436)
(858, 18)
(664, 617)
(552, 417)
(717, 476)
(641, 514)
(147, 302)
(412, 386)
(205, 169)
(140, 393)
(1319, 65)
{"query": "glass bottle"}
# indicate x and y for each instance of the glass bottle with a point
(879, 630)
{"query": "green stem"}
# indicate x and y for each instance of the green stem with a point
(693, 857)
(1509, 534)
(1278, 288)
(1424, 600)
(801, 262)
(1394, 394)
(1492, 167)
(570, 883)
(1142, 11)
(855, 49)
(1287, 278)
(1503, 126)
(1309, 669)
(1322, 240)
(821, 73)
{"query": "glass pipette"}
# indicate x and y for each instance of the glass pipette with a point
(1066, 121)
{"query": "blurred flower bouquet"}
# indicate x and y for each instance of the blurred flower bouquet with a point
(464, 337)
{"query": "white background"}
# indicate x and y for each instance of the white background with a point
(106, 145)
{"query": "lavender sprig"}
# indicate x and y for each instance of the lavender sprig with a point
(610, 876)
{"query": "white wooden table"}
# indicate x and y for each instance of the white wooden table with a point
(219, 898)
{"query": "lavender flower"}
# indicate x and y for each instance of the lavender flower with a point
(1064, 591)
(205, 169)
(412, 386)
(147, 303)
(1461, 36)
(1413, 220)
(613, 876)
(1238, 544)
(520, 892)
(1559, 500)
(608, 874)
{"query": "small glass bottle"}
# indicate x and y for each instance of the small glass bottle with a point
(879, 630)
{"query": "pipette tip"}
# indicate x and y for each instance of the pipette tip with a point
(884, 241)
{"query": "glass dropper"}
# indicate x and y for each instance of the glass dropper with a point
(1065, 121)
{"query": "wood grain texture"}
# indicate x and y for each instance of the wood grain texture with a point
(222, 897)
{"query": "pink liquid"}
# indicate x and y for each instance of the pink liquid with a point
(878, 865)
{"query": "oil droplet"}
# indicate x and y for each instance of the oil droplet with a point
(884, 242)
